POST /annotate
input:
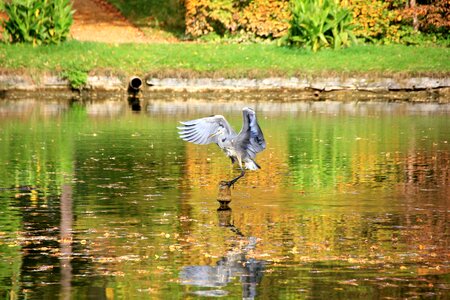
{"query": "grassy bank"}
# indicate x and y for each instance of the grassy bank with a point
(219, 60)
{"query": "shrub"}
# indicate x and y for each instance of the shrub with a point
(168, 15)
(386, 21)
(317, 24)
(260, 18)
(206, 16)
(266, 19)
(431, 18)
(373, 20)
(77, 75)
(38, 22)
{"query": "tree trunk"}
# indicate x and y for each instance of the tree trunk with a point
(412, 5)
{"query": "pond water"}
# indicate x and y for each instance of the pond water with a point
(100, 201)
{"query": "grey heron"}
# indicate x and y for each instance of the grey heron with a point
(240, 148)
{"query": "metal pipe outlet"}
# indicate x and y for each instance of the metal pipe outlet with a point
(135, 83)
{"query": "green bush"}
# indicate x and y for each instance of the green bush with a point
(38, 22)
(76, 74)
(319, 24)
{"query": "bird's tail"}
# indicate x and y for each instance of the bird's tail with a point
(251, 165)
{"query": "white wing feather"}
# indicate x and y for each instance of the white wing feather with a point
(201, 131)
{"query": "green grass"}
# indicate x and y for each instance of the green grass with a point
(220, 60)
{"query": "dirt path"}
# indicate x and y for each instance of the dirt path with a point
(99, 21)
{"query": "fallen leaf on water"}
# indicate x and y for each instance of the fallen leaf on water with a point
(349, 282)
(149, 290)
(43, 268)
(294, 250)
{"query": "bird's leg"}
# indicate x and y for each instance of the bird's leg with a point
(233, 181)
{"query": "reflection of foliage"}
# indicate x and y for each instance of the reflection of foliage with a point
(106, 156)
(41, 156)
(138, 219)
(104, 160)
(10, 225)
(331, 154)
(316, 157)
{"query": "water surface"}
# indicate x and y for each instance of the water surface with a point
(100, 201)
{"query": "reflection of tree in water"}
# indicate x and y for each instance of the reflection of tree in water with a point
(40, 261)
(233, 264)
(336, 153)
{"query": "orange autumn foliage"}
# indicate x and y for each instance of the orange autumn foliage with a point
(263, 18)
(374, 20)
(431, 17)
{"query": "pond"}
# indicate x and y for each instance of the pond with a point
(102, 200)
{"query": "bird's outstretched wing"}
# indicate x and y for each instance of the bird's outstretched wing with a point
(251, 137)
(203, 131)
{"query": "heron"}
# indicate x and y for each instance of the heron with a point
(240, 147)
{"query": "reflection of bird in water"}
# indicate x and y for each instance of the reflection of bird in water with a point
(241, 147)
(232, 265)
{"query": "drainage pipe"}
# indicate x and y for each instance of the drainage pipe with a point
(135, 84)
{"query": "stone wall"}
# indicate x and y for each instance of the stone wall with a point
(430, 89)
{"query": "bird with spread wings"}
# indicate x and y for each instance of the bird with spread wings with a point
(241, 148)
